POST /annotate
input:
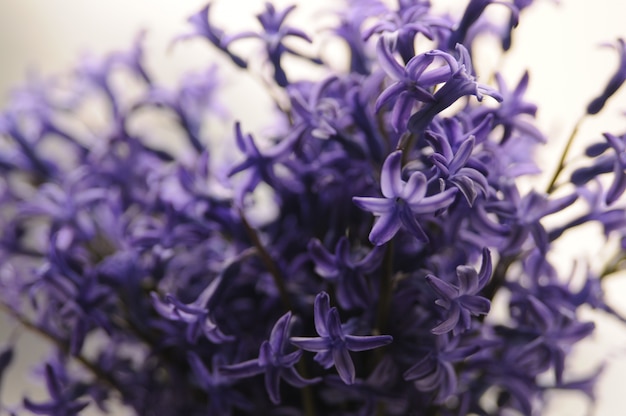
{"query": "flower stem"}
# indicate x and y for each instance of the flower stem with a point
(96, 371)
(269, 263)
(559, 169)
(385, 290)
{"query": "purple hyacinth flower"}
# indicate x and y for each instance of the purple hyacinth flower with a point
(203, 27)
(435, 371)
(615, 82)
(405, 23)
(462, 301)
(618, 144)
(222, 398)
(453, 166)
(401, 202)
(333, 345)
(474, 10)
(198, 315)
(274, 34)
(62, 401)
(347, 274)
(461, 83)
(411, 83)
(273, 361)
(261, 167)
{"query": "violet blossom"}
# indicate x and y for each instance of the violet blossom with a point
(348, 264)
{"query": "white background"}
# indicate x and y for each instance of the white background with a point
(558, 43)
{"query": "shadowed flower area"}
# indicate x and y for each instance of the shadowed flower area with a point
(461, 301)
(273, 361)
(382, 244)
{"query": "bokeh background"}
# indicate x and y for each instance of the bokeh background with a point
(558, 42)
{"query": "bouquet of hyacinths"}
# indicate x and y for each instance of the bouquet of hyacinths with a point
(344, 264)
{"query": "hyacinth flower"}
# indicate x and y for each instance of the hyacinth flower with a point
(203, 27)
(261, 166)
(435, 371)
(388, 180)
(454, 168)
(402, 201)
(614, 83)
(193, 100)
(273, 35)
(61, 401)
(411, 83)
(513, 112)
(217, 385)
(333, 345)
(273, 361)
(198, 315)
(403, 24)
(347, 274)
(473, 12)
(462, 301)
(461, 83)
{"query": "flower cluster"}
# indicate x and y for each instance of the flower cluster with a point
(395, 222)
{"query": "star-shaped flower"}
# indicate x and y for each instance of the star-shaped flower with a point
(333, 345)
(402, 201)
(273, 361)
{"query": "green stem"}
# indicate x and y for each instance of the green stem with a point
(552, 185)
(614, 265)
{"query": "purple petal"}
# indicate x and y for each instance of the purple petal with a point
(344, 365)
(415, 189)
(372, 204)
(391, 183)
(385, 228)
(324, 261)
(279, 333)
(244, 369)
(364, 343)
(321, 310)
(442, 288)
(310, 344)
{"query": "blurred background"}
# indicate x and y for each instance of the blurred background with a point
(558, 42)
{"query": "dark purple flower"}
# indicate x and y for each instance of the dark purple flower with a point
(473, 11)
(348, 275)
(462, 301)
(222, 398)
(198, 315)
(62, 401)
(455, 169)
(262, 166)
(274, 33)
(411, 83)
(461, 82)
(435, 371)
(204, 28)
(6, 358)
(273, 361)
(333, 345)
(615, 82)
(404, 24)
(401, 202)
